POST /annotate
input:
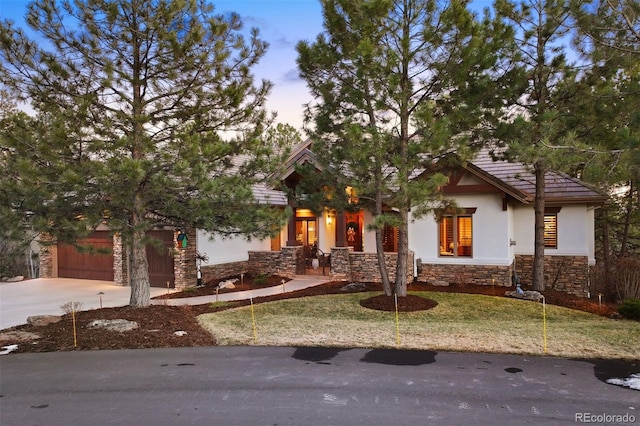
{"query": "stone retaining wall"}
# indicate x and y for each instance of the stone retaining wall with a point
(223, 270)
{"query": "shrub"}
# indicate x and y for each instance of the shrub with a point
(630, 309)
(260, 279)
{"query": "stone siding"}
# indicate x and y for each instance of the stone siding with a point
(265, 262)
(340, 263)
(364, 266)
(464, 274)
(46, 258)
(288, 262)
(185, 271)
(224, 270)
(563, 273)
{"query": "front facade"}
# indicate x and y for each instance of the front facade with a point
(487, 240)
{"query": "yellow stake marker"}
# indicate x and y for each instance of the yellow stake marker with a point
(75, 336)
(253, 320)
(544, 324)
(397, 321)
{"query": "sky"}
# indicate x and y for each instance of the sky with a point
(282, 23)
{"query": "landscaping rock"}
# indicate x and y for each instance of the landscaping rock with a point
(228, 284)
(354, 287)
(535, 296)
(15, 279)
(17, 337)
(180, 333)
(439, 283)
(119, 325)
(42, 320)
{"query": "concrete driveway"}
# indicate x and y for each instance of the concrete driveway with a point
(45, 296)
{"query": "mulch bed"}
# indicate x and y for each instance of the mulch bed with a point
(158, 323)
(243, 283)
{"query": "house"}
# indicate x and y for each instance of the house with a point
(485, 241)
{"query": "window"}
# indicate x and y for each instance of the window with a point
(551, 230)
(456, 235)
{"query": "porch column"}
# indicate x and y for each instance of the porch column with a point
(341, 230)
(291, 227)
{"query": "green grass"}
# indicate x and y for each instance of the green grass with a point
(460, 322)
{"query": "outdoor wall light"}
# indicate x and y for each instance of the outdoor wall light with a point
(330, 217)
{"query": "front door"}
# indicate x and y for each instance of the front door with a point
(354, 230)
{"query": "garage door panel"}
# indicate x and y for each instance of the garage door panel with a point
(92, 266)
(161, 260)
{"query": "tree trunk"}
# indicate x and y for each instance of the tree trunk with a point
(627, 221)
(402, 266)
(538, 253)
(606, 247)
(382, 262)
(140, 293)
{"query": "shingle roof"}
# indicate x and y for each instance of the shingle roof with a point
(519, 181)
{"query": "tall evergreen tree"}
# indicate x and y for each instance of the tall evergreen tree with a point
(609, 35)
(148, 114)
(400, 84)
(538, 128)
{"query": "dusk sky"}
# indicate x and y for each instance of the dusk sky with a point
(282, 23)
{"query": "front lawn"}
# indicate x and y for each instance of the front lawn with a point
(460, 322)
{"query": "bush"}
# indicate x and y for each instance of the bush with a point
(260, 279)
(630, 309)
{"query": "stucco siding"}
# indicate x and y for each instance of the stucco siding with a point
(574, 237)
(233, 249)
(490, 234)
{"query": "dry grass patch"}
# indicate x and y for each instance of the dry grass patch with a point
(460, 322)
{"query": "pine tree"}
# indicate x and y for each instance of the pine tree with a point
(148, 115)
(400, 85)
(538, 128)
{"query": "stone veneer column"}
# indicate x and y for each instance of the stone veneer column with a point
(46, 257)
(340, 266)
(185, 268)
(291, 261)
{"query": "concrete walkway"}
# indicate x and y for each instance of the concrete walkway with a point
(45, 296)
(300, 282)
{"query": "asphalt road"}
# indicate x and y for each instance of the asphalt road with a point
(303, 386)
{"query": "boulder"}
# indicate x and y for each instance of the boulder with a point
(228, 283)
(439, 283)
(119, 325)
(535, 296)
(354, 287)
(42, 320)
(15, 279)
(17, 337)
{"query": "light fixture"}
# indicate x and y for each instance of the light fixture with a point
(330, 218)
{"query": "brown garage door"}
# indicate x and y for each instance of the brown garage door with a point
(161, 260)
(89, 266)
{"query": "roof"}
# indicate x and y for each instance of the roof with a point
(512, 178)
(519, 181)
(265, 195)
